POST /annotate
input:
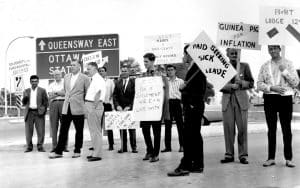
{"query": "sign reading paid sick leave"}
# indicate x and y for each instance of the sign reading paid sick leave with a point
(211, 61)
(167, 48)
(238, 35)
(120, 120)
(57, 53)
(148, 99)
(279, 25)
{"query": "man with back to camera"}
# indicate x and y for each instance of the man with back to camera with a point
(235, 105)
(277, 78)
(75, 87)
(35, 100)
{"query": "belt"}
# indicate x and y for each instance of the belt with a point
(90, 101)
(32, 109)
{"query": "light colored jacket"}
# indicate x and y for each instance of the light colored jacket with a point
(75, 96)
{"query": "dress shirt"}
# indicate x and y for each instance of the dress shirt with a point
(270, 75)
(110, 86)
(97, 84)
(73, 80)
(33, 99)
(57, 87)
(174, 86)
(125, 81)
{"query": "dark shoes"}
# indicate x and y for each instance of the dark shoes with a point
(179, 172)
(227, 160)
(269, 162)
(41, 150)
(121, 151)
(91, 149)
(134, 151)
(89, 156)
(94, 159)
(166, 150)
(244, 161)
(28, 150)
(147, 157)
(154, 159)
(66, 150)
(54, 155)
(290, 164)
(111, 148)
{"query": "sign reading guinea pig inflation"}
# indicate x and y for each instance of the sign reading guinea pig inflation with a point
(211, 61)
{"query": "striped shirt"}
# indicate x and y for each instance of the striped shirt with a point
(174, 86)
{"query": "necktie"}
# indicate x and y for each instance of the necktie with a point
(124, 85)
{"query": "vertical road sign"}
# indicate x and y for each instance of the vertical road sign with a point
(57, 53)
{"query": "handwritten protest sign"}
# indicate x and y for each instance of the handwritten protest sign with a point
(167, 48)
(19, 67)
(279, 25)
(148, 99)
(211, 61)
(120, 120)
(238, 35)
(94, 57)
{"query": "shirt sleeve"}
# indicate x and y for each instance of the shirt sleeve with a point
(261, 84)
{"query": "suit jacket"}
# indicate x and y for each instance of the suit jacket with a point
(124, 98)
(241, 94)
(194, 91)
(41, 101)
(75, 96)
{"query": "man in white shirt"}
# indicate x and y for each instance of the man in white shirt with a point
(56, 97)
(35, 101)
(108, 103)
(94, 108)
(175, 109)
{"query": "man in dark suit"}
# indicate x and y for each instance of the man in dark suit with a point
(123, 101)
(76, 85)
(192, 93)
(235, 104)
(35, 101)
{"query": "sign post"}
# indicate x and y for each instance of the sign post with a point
(57, 53)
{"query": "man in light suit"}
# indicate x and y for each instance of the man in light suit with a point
(123, 97)
(75, 86)
(235, 104)
(35, 101)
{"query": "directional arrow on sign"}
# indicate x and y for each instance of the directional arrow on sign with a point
(42, 44)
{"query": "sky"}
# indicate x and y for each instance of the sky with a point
(131, 19)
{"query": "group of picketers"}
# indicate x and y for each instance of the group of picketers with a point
(79, 96)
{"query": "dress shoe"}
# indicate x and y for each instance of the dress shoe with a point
(227, 160)
(154, 159)
(166, 150)
(76, 155)
(179, 172)
(28, 150)
(290, 164)
(121, 151)
(54, 155)
(41, 150)
(94, 159)
(147, 157)
(180, 149)
(53, 150)
(91, 148)
(244, 160)
(66, 150)
(269, 162)
(134, 151)
(89, 156)
(110, 148)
